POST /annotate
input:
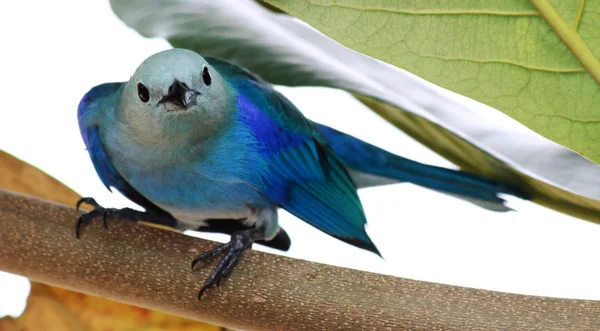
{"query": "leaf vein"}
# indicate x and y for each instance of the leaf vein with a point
(575, 119)
(534, 68)
(577, 20)
(569, 38)
(429, 12)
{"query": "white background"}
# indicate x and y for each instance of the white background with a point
(54, 51)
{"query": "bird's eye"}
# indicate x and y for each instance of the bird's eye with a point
(206, 76)
(143, 92)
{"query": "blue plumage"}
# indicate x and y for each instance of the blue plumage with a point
(383, 167)
(303, 176)
(207, 144)
(98, 99)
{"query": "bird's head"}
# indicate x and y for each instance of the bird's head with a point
(174, 93)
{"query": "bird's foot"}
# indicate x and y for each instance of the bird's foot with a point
(106, 213)
(240, 241)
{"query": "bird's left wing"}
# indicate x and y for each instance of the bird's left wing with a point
(304, 177)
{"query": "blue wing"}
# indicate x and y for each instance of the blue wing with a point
(304, 177)
(101, 99)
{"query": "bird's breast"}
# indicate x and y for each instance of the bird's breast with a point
(193, 184)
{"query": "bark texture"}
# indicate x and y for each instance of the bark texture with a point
(150, 267)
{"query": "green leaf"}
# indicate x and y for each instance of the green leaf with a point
(537, 62)
(286, 51)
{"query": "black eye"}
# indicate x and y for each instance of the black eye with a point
(143, 92)
(206, 76)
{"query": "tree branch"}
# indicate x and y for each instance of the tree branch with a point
(150, 267)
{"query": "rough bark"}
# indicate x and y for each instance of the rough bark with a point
(150, 267)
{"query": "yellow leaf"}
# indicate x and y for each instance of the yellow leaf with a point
(21, 177)
(52, 308)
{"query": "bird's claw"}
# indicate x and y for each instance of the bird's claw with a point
(90, 201)
(98, 211)
(234, 249)
(86, 218)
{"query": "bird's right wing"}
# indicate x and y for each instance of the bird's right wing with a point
(100, 101)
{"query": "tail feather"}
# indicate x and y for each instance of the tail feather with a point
(371, 166)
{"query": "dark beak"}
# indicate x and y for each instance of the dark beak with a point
(179, 96)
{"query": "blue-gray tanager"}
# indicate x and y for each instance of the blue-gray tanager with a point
(201, 143)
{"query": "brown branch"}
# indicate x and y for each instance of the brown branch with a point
(150, 267)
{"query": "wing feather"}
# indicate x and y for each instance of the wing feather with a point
(304, 176)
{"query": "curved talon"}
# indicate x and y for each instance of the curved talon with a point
(235, 248)
(78, 204)
(126, 214)
(78, 225)
(217, 274)
(105, 219)
(88, 200)
(86, 218)
(202, 290)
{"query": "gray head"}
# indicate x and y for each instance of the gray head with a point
(174, 95)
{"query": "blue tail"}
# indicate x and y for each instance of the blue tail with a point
(371, 166)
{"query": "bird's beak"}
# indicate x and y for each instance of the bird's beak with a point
(179, 97)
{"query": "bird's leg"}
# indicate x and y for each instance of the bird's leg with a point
(266, 221)
(127, 214)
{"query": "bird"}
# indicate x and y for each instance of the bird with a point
(204, 144)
